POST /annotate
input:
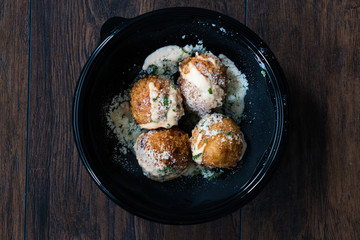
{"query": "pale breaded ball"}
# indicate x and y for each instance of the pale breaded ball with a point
(203, 82)
(163, 154)
(217, 142)
(156, 102)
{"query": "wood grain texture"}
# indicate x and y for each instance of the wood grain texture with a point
(226, 228)
(14, 48)
(315, 192)
(64, 203)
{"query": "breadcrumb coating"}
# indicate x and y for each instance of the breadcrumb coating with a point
(163, 154)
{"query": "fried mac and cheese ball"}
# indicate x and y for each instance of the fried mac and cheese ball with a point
(163, 154)
(217, 142)
(156, 102)
(203, 82)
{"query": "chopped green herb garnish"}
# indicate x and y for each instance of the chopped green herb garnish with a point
(214, 175)
(152, 69)
(181, 56)
(168, 126)
(165, 169)
(172, 85)
(154, 99)
(197, 156)
(220, 130)
(263, 73)
(205, 140)
(170, 102)
(166, 115)
(174, 110)
(184, 50)
(202, 124)
(154, 121)
(165, 100)
(201, 130)
(229, 133)
(210, 90)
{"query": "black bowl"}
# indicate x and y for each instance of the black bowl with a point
(112, 68)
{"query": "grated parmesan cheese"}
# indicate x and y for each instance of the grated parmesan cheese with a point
(234, 103)
(120, 120)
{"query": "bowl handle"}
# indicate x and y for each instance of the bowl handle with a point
(110, 26)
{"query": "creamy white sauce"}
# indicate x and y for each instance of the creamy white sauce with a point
(154, 94)
(166, 60)
(171, 53)
(196, 78)
(151, 125)
(170, 113)
(175, 107)
(201, 82)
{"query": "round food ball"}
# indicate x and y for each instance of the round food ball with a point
(163, 154)
(217, 142)
(155, 103)
(203, 82)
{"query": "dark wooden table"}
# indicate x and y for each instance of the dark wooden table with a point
(45, 191)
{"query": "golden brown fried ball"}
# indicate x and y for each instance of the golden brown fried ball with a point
(203, 82)
(156, 102)
(217, 142)
(163, 154)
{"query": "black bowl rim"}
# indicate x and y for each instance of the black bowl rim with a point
(258, 181)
